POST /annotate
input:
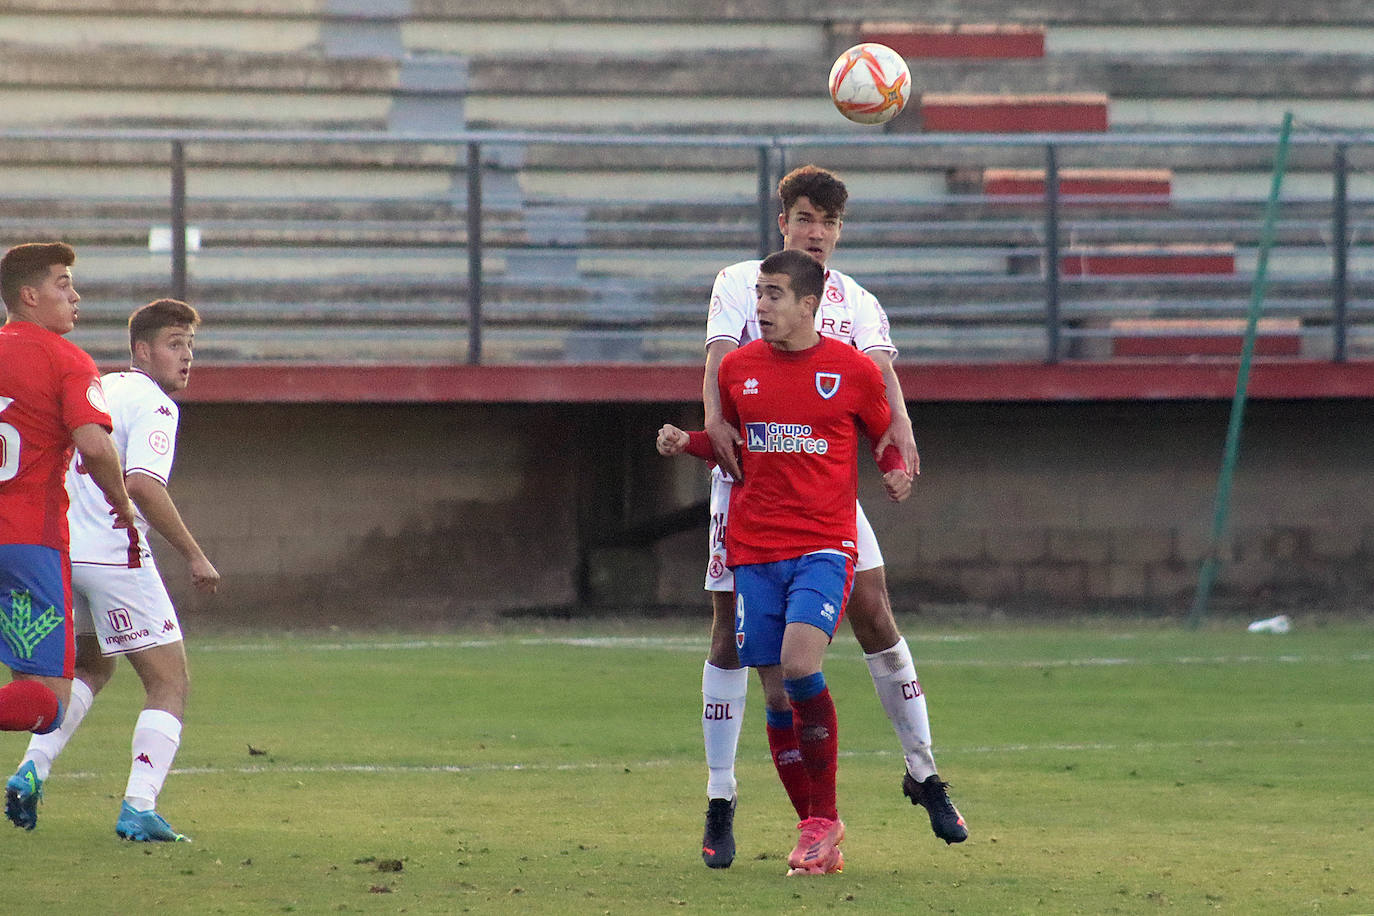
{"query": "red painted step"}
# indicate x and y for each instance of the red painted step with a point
(1158, 337)
(1135, 260)
(1044, 113)
(925, 40)
(1144, 186)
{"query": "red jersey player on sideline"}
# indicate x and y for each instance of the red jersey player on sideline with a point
(799, 401)
(50, 402)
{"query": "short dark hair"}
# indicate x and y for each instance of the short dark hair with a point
(27, 265)
(817, 185)
(806, 274)
(147, 320)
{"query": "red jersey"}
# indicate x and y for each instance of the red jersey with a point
(801, 414)
(48, 387)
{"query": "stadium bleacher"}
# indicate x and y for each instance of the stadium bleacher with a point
(338, 251)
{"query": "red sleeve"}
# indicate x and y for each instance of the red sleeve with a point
(83, 400)
(876, 416)
(699, 445)
(891, 459)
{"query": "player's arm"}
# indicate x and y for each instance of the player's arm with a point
(877, 414)
(674, 441)
(899, 431)
(100, 458)
(725, 438)
(157, 507)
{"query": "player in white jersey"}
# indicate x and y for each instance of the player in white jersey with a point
(813, 202)
(119, 602)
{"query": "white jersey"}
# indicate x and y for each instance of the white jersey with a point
(847, 311)
(145, 435)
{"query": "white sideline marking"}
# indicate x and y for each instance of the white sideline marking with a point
(698, 644)
(986, 749)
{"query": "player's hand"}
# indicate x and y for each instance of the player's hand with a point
(726, 443)
(671, 440)
(204, 576)
(899, 433)
(897, 483)
(124, 514)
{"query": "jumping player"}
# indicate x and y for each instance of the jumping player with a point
(50, 403)
(799, 401)
(121, 604)
(813, 203)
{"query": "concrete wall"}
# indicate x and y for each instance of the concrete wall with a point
(429, 514)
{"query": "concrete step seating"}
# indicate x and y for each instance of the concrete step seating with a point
(361, 244)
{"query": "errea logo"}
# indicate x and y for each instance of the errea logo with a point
(751, 386)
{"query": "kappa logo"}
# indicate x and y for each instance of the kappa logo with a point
(168, 626)
(827, 383)
(164, 411)
(751, 386)
(143, 758)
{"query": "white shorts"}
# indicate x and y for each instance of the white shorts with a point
(127, 609)
(719, 578)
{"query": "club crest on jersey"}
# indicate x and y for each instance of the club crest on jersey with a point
(95, 396)
(827, 383)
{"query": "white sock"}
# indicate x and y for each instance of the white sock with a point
(722, 718)
(43, 749)
(894, 677)
(157, 734)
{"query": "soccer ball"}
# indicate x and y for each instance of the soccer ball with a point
(870, 83)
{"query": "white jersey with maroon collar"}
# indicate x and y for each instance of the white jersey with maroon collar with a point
(847, 312)
(145, 435)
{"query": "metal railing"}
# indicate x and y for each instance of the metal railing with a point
(908, 238)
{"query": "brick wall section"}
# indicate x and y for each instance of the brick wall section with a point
(406, 515)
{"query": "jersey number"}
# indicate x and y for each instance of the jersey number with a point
(9, 446)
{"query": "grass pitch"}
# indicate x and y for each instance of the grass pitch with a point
(1104, 768)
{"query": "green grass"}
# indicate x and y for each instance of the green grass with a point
(1103, 768)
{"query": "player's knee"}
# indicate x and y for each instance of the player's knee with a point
(870, 612)
(95, 673)
(722, 653)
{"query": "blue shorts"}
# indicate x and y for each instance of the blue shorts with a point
(35, 610)
(768, 596)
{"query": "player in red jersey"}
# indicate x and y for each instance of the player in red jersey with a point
(813, 207)
(50, 403)
(799, 401)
